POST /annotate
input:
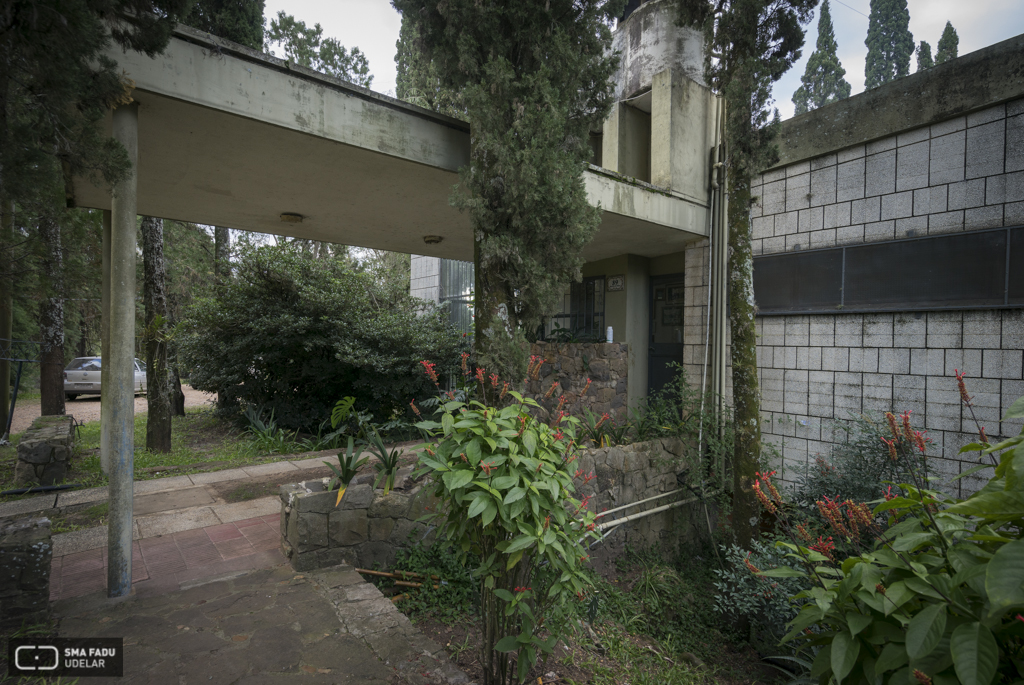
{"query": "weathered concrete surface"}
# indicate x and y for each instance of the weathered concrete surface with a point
(267, 626)
(25, 554)
(969, 83)
(649, 42)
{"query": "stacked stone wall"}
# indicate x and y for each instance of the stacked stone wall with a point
(44, 451)
(25, 555)
(369, 527)
(569, 365)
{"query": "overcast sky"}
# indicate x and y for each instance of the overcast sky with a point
(373, 26)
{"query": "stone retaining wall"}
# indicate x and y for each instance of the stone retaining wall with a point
(369, 527)
(44, 451)
(25, 554)
(571, 364)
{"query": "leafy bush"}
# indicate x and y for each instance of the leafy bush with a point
(504, 481)
(936, 598)
(292, 334)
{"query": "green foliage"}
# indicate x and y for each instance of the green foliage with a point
(949, 44)
(937, 598)
(924, 56)
(387, 460)
(265, 434)
(533, 77)
(240, 21)
(823, 80)
(292, 334)
(504, 483)
(890, 43)
(416, 80)
(458, 593)
(308, 48)
(349, 464)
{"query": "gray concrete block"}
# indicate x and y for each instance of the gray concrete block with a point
(823, 186)
(966, 194)
(826, 238)
(822, 330)
(774, 331)
(866, 210)
(850, 180)
(986, 116)
(995, 190)
(774, 175)
(985, 147)
(1015, 143)
(811, 219)
(880, 173)
(850, 330)
(846, 235)
(850, 154)
(984, 217)
(786, 224)
(876, 146)
(797, 330)
(945, 329)
(965, 361)
(930, 200)
(1013, 329)
(910, 137)
(1014, 184)
(949, 222)
(909, 330)
(1010, 392)
(773, 245)
(946, 159)
(949, 126)
(878, 330)
(879, 230)
(762, 227)
(894, 360)
(1013, 213)
(982, 328)
(798, 188)
(898, 205)
(912, 226)
(864, 359)
(785, 357)
(835, 359)
(1002, 364)
(773, 197)
(927, 362)
(798, 169)
(823, 162)
(1015, 107)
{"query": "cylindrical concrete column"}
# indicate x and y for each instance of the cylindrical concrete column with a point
(118, 366)
(105, 345)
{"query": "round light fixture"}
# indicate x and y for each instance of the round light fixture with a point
(432, 239)
(291, 218)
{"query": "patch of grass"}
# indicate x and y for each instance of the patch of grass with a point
(251, 491)
(95, 515)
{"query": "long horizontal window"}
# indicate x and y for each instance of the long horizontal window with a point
(975, 270)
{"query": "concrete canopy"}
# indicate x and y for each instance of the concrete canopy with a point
(232, 137)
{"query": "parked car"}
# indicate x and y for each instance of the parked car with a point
(82, 377)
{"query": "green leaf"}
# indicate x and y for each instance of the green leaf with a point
(895, 596)
(521, 542)
(1004, 579)
(845, 650)
(514, 495)
(925, 630)
(857, 622)
(906, 543)
(507, 644)
(992, 505)
(473, 453)
(783, 572)
(504, 482)
(434, 464)
(975, 655)
(530, 442)
(478, 505)
(490, 511)
(1016, 410)
(504, 594)
(892, 657)
(454, 480)
(447, 423)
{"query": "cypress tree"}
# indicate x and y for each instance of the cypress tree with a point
(924, 56)
(417, 80)
(948, 45)
(890, 43)
(823, 80)
(756, 42)
(533, 76)
(240, 21)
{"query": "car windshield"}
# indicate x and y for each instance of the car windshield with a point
(84, 364)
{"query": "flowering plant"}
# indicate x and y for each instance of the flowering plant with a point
(504, 481)
(935, 590)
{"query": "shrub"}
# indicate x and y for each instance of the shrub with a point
(292, 334)
(505, 482)
(936, 598)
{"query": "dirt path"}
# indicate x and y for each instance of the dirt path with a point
(87, 407)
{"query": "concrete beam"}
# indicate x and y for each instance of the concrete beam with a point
(118, 367)
(969, 83)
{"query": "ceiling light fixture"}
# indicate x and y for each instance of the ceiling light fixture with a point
(432, 239)
(291, 218)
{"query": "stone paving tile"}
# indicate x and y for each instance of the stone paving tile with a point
(165, 524)
(268, 469)
(229, 549)
(143, 487)
(265, 506)
(217, 476)
(27, 505)
(89, 495)
(225, 531)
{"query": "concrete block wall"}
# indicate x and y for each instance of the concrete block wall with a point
(425, 278)
(962, 174)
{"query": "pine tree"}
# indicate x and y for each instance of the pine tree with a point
(534, 76)
(823, 80)
(924, 56)
(756, 42)
(307, 47)
(890, 43)
(240, 21)
(948, 45)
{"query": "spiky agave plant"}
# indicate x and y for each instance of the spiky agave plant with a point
(349, 464)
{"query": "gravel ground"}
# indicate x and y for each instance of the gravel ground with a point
(87, 407)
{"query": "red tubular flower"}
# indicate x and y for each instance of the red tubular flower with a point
(964, 397)
(753, 569)
(429, 368)
(888, 494)
(891, 444)
(908, 433)
(922, 678)
(479, 375)
(830, 512)
(415, 409)
(981, 432)
(802, 533)
(765, 502)
(551, 390)
(465, 367)
(891, 419)
(494, 380)
(585, 388)
(919, 440)
(504, 391)
(825, 547)
(879, 588)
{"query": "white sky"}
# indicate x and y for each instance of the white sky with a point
(373, 25)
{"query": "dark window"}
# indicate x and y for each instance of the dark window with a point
(979, 269)
(456, 293)
(584, 319)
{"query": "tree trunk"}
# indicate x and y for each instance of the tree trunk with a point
(221, 253)
(51, 321)
(177, 396)
(158, 423)
(745, 392)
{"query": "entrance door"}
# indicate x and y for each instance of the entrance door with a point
(666, 338)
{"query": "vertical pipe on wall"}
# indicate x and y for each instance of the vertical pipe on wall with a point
(719, 281)
(105, 345)
(118, 373)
